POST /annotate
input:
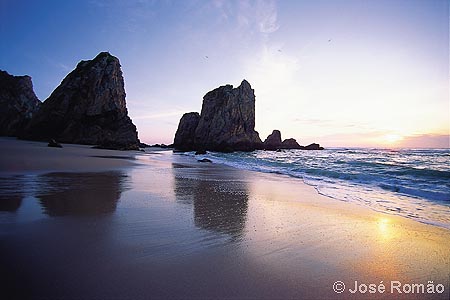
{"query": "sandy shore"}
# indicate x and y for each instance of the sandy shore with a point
(165, 226)
(19, 157)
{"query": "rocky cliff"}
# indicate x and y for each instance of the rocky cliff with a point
(185, 135)
(88, 107)
(290, 144)
(273, 141)
(226, 123)
(18, 103)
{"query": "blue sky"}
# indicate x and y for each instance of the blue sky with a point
(341, 73)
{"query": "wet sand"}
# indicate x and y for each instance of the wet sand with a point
(20, 157)
(163, 226)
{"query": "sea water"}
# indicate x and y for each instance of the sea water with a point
(414, 183)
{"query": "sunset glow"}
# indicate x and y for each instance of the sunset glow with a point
(340, 73)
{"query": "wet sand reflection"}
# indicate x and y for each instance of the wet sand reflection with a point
(81, 193)
(65, 194)
(218, 205)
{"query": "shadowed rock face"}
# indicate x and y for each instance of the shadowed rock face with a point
(290, 144)
(226, 122)
(18, 103)
(184, 137)
(273, 141)
(88, 107)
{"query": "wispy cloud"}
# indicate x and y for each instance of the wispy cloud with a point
(426, 141)
(259, 14)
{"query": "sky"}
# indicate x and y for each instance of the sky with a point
(363, 73)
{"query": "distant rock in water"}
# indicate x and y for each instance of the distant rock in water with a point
(273, 141)
(88, 107)
(290, 144)
(185, 135)
(18, 103)
(313, 146)
(226, 122)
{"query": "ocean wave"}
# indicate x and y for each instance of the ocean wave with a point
(412, 183)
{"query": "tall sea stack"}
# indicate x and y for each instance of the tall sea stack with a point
(18, 103)
(226, 122)
(88, 107)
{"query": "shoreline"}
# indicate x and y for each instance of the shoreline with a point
(364, 187)
(84, 158)
(168, 226)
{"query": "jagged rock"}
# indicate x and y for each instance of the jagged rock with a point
(54, 144)
(313, 146)
(18, 103)
(273, 141)
(88, 107)
(144, 145)
(226, 122)
(290, 144)
(185, 135)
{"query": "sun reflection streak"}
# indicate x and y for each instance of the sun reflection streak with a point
(384, 228)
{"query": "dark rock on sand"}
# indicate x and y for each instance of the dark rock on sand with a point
(185, 135)
(88, 107)
(54, 144)
(273, 141)
(205, 160)
(18, 103)
(226, 122)
(290, 144)
(200, 152)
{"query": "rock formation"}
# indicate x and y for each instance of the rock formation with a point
(313, 146)
(18, 103)
(226, 123)
(273, 141)
(184, 137)
(290, 144)
(88, 107)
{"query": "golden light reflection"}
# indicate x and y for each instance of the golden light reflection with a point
(384, 228)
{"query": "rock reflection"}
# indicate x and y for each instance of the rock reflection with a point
(219, 198)
(64, 194)
(10, 204)
(11, 193)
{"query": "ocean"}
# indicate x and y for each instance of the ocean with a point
(414, 183)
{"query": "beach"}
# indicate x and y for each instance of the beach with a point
(83, 223)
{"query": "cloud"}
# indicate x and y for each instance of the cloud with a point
(267, 16)
(426, 141)
(259, 14)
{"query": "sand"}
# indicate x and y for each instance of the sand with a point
(18, 157)
(86, 223)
